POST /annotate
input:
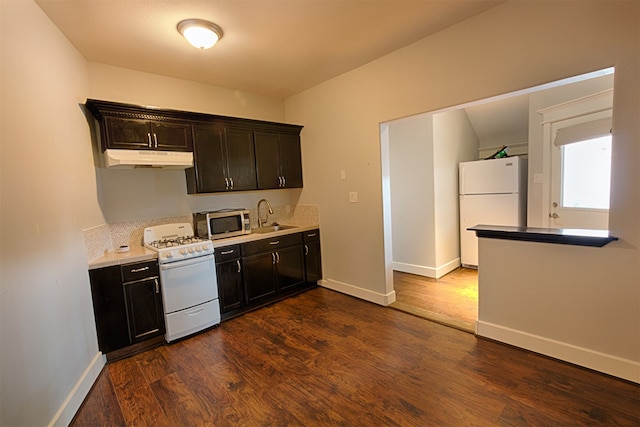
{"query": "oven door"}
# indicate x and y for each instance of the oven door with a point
(188, 283)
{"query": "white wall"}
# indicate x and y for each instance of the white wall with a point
(455, 141)
(51, 191)
(424, 152)
(47, 335)
(412, 190)
(513, 46)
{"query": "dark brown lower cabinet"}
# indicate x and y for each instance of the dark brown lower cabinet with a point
(145, 314)
(312, 256)
(229, 275)
(109, 308)
(263, 271)
(259, 277)
(127, 306)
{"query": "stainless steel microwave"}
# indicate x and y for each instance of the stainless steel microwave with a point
(221, 224)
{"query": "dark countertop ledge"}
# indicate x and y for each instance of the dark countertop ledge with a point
(563, 236)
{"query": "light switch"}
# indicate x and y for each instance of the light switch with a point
(537, 178)
(353, 197)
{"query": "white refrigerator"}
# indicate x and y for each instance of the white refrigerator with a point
(492, 192)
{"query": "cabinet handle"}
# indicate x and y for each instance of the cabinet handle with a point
(157, 286)
(306, 250)
(155, 138)
(312, 234)
(273, 257)
(284, 181)
(149, 138)
(231, 180)
(239, 267)
(138, 270)
(277, 257)
(280, 181)
(275, 242)
(226, 183)
(227, 252)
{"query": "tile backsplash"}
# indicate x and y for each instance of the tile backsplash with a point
(104, 238)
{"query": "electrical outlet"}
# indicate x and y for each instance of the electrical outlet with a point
(343, 174)
(353, 197)
(537, 178)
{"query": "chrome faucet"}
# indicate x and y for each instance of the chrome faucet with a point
(270, 211)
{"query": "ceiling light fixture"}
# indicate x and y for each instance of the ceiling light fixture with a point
(200, 33)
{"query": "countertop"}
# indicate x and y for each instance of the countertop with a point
(564, 236)
(140, 253)
(135, 254)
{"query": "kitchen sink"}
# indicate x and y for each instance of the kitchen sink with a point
(272, 228)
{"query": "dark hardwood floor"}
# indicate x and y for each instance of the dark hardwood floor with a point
(451, 300)
(324, 358)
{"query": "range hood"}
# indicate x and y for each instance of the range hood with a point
(129, 159)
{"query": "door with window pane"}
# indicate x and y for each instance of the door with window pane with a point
(581, 172)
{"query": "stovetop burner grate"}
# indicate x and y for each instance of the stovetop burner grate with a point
(172, 243)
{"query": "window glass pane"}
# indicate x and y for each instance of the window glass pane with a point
(586, 174)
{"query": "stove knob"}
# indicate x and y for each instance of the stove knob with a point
(199, 248)
(168, 255)
(183, 251)
(191, 250)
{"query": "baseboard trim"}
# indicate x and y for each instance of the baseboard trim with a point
(355, 291)
(77, 395)
(601, 362)
(422, 270)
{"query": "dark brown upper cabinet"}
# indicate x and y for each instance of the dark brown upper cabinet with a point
(141, 134)
(128, 127)
(278, 160)
(230, 153)
(224, 160)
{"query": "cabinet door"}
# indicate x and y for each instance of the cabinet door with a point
(209, 159)
(171, 136)
(230, 285)
(312, 262)
(144, 309)
(109, 308)
(124, 133)
(259, 277)
(241, 159)
(290, 160)
(267, 160)
(290, 267)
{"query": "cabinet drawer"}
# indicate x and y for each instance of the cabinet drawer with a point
(271, 244)
(311, 235)
(139, 271)
(227, 253)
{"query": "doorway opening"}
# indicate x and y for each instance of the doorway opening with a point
(420, 156)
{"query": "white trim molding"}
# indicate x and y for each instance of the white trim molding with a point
(355, 291)
(74, 400)
(602, 362)
(427, 271)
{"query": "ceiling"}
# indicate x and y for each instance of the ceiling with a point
(499, 121)
(270, 47)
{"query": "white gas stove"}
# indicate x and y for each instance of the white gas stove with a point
(187, 278)
(175, 242)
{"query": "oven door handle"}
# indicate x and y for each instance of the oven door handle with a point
(186, 262)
